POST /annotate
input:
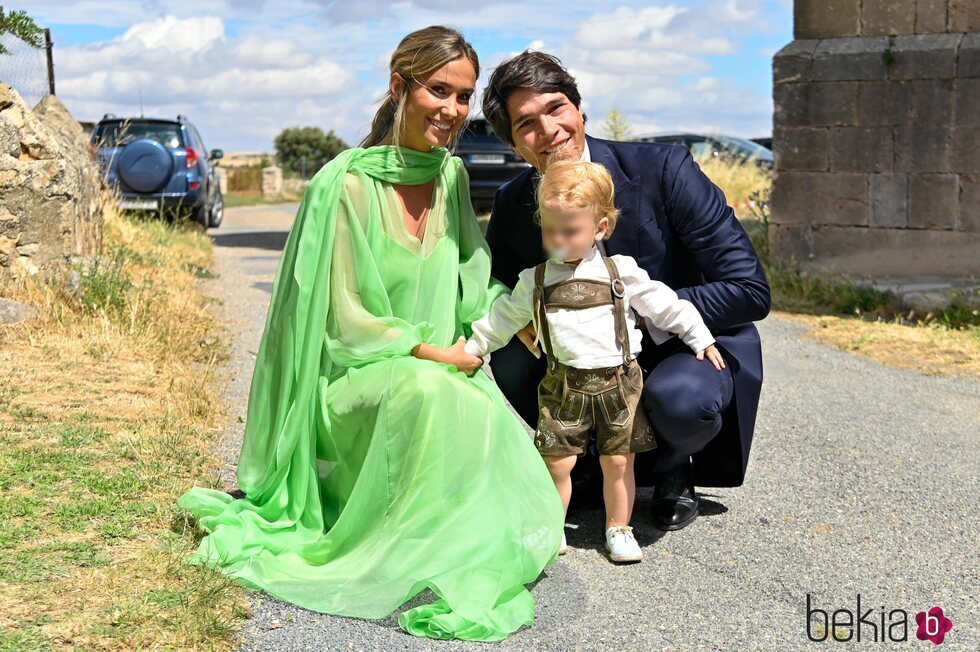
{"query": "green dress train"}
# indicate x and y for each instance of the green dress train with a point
(369, 474)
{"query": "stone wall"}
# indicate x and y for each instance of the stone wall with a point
(50, 204)
(876, 134)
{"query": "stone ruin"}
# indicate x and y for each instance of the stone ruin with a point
(50, 188)
(876, 135)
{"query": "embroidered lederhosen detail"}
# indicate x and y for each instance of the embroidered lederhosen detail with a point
(579, 294)
(573, 400)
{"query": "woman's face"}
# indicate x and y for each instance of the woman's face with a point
(437, 104)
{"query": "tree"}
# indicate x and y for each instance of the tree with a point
(616, 127)
(304, 150)
(21, 26)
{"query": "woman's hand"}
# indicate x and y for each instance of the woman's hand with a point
(713, 355)
(455, 355)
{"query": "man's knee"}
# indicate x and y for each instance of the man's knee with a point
(680, 397)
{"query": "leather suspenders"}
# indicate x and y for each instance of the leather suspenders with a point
(579, 294)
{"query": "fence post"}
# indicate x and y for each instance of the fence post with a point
(47, 49)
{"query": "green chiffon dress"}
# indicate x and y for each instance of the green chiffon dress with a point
(369, 474)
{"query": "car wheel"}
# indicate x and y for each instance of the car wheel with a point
(217, 211)
(201, 214)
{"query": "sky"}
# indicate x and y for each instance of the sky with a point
(244, 70)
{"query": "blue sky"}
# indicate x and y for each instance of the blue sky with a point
(243, 70)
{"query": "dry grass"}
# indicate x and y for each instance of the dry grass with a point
(106, 415)
(743, 181)
(930, 349)
(858, 319)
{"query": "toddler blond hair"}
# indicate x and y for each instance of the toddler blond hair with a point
(581, 184)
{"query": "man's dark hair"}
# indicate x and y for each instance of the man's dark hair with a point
(538, 70)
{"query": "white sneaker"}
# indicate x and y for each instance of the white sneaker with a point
(621, 544)
(564, 544)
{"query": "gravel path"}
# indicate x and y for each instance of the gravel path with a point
(863, 480)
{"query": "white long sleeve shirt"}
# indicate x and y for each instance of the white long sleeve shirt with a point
(586, 338)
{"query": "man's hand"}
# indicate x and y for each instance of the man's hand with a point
(526, 335)
(713, 355)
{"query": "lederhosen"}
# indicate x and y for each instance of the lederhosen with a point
(573, 402)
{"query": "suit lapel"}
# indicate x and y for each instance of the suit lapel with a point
(627, 199)
(530, 231)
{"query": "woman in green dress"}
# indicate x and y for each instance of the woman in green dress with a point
(379, 459)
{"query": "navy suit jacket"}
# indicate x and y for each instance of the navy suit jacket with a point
(678, 226)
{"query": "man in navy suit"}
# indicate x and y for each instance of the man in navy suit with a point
(678, 226)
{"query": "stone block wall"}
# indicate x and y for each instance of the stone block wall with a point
(876, 135)
(50, 203)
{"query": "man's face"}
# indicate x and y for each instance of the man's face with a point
(545, 127)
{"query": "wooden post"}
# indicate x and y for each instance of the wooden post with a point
(47, 48)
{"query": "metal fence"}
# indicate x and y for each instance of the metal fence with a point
(28, 69)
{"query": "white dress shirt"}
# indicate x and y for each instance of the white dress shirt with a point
(658, 336)
(586, 338)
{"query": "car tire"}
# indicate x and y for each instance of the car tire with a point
(145, 165)
(217, 212)
(201, 213)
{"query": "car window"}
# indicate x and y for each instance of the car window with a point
(123, 132)
(197, 137)
(744, 147)
(702, 148)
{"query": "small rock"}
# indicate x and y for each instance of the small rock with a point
(12, 312)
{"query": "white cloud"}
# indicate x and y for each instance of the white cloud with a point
(177, 34)
(650, 63)
(241, 90)
(247, 69)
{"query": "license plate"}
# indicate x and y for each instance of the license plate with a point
(495, 159)
(138, 203)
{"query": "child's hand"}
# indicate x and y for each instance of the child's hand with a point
(526, 335)
(713, 356)
(456, 355)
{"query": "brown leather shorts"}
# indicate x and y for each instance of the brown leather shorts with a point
(572, 403)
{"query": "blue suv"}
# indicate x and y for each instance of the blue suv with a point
(160, 165)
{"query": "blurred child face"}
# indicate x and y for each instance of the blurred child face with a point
(568, 232)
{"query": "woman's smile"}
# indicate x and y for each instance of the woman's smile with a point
(443, 127)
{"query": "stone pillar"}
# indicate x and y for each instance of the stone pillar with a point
(272, 182)
(876, 135)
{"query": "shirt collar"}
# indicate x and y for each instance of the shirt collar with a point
(589, 261)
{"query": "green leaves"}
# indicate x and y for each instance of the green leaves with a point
(22, 26)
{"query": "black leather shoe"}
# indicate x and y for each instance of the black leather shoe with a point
(674, 504)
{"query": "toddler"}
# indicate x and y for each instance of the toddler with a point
(581, 303)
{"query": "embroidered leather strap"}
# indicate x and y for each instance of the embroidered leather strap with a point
(578, 294)
(539, 310)
(618, 288)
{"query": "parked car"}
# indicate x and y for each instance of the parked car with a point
(718, 145)
(489, 161)
(160, 164)
(765, 142)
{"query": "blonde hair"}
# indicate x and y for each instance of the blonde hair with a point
(418, 54)
(582, 184)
